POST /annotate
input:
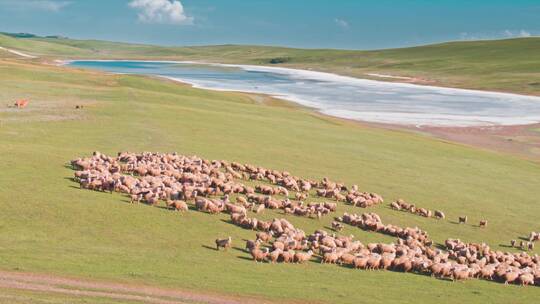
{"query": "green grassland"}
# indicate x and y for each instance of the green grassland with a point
(49, 225)
(511, 65)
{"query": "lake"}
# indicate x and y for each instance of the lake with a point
(346, 97)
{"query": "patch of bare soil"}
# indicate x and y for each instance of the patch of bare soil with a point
(519, 140)
(86, 288)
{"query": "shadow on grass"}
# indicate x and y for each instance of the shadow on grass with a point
(238, 249)
(209, 247)
(245, 258)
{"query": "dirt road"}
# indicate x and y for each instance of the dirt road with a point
(126, 292)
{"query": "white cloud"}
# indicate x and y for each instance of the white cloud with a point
(499, 35)
(161, 11)
(521, 33)
(342, 23)
(42, 5)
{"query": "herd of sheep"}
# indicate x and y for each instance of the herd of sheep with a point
(182, 182)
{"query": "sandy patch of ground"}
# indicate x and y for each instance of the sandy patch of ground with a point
(86, 288)
(404, 79)
(21, 54)
(519, 140)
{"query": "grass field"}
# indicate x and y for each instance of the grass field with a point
(511, 65)
(49, 225)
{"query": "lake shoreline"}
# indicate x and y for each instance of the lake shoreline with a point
(338, 96)
(498, 138)
(318, 74)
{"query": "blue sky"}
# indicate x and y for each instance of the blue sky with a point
(352, 24)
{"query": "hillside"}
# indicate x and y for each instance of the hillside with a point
(49, 225)
(511, 65)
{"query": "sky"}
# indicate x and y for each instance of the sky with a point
(342, 24)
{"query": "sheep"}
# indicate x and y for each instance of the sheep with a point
(135, 198)
(177, 205)
(278, 245)
(302, 257)
(460, 274)
(395, 206)
(330, 258)
(360, 262)
(224, 243)
(264, 236)
(337, 226)
(530, 246)
(374, 261)
(252, 244)
(287, 256)
(463, 219)
(259, 255)
(274, 255)
(242, 200)
(510, 277)
(439, 214)
(483, 224)
(526, 279)
(260, 209)
(347, 259)
(513, 243)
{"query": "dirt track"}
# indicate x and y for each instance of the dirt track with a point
(86, 288)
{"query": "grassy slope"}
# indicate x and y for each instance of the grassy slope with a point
(511, 65)
(49, 225)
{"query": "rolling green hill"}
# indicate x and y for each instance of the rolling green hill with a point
(511, 65)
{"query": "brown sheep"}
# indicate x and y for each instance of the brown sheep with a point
(463, 219)
(360, 262)
(439, 214)
(259, 255)
(330, 258)
(510, 277)
(526, 279)
(274, 255)
(287, 256)
(252, 244)
(483, 224)
(461, 274)
(302, 257)
(337, 226)
(225, 243)
(264, 236)
(260, 209)
(177, 205)
(347, 259)
(374, 261)
(278, 245)
(135, 198)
